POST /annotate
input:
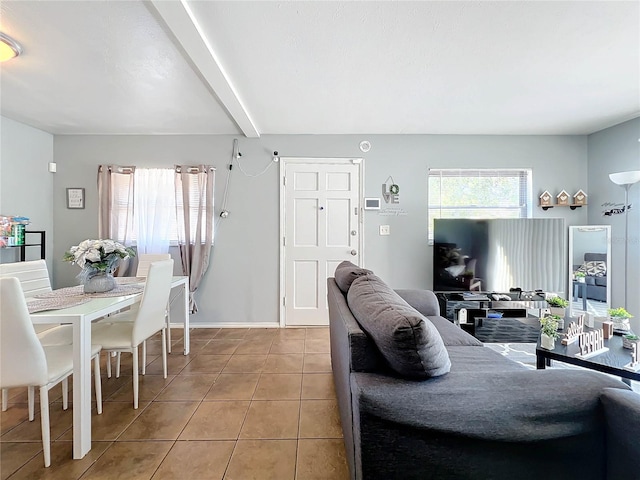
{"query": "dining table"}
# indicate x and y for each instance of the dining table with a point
(88, 308)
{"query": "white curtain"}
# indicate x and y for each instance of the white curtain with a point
(115, 207)
(154, 209)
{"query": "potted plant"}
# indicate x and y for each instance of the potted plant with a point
(620, 319)
(629, 339)
(548, 332)
(579, 276)
(557, 305)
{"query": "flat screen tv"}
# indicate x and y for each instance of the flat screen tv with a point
(495, 255)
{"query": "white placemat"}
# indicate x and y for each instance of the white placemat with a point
(55, 303)
(119, 291)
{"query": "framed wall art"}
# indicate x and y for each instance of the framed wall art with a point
(75, 197)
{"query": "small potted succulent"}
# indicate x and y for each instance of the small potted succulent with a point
(548, 332)
(557, 305)
(629, 339)
(620, 319)
(579, 276)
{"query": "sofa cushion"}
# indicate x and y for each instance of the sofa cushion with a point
(408, 341)
(346, 273)
(593, 268)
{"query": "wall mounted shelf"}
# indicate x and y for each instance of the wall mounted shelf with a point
(572, 207)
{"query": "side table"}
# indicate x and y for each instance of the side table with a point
(580, 290)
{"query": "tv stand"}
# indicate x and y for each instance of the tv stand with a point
(452, 302)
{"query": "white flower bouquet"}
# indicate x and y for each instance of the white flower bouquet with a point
(95, 256)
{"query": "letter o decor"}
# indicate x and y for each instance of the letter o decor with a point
(394, 189)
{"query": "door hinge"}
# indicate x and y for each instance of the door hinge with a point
(284, 241)
(284, 301)
(284, 181)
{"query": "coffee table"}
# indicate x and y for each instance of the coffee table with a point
(611, 362)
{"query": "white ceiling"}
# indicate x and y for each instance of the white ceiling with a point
(171, 67)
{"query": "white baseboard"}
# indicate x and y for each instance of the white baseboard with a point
(227, 325)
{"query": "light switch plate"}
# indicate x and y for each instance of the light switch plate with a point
(385, 230)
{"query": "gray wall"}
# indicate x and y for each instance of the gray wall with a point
(26, 186)
(617, 149)
(242, 283)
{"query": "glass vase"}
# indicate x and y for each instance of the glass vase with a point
(100, 282)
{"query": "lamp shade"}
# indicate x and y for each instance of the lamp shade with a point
(9, 48)
(625, 178)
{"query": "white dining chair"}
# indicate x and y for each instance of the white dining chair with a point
(24, 361)
(135, 326)
(34, 280)
(144, 262)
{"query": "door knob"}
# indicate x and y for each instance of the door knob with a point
(354, 252)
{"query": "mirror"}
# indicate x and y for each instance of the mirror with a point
(590, 254)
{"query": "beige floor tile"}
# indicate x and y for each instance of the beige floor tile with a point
(203, 363)
(149, 386)
(313, 345)
(254, 346)
(177, 333)
(320, 333)
(319, 419)
(318, 386)
(17, 395)
(245, 364)
(263, 460)
(195, 346)
(175, 364)
(14, 416)
(154, 347)
(203, 333)
(130, 460)
(15, 455)
(160, 421)
(113, 384)
(261, 333)
(283, 363)
(63, 466)
(237, 333)
(317, 363)
(321, 459)
(291, 333)
(196, 460)
(293, 345)
(271, 419)
(187, 387)
(221, 347)
(115, 419)
(235, 386)
(59, 421)
(279, 386)
(216, 421)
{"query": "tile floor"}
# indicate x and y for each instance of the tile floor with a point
(244, 404)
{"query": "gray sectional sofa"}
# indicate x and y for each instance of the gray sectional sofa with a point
(481, 417)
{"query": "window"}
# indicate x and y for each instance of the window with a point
(478, 193)
(148, 212)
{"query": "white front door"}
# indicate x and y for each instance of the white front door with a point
(321, 226)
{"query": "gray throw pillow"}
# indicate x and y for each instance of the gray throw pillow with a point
(409, 342)
(346, 273)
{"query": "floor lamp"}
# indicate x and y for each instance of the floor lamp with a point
(626, 180)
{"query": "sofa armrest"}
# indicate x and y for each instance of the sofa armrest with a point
(424, 301)
(622, 417)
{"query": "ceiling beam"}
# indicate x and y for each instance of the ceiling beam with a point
(182, 23)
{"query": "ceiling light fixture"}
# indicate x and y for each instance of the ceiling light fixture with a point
(9, 48)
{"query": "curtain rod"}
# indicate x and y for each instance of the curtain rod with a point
(195, 169)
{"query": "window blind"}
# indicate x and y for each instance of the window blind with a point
(478, 193)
